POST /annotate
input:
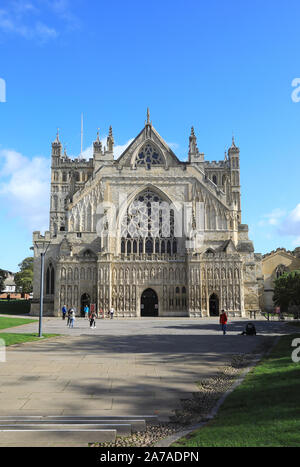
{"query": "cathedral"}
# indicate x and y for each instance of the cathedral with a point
(146, 233)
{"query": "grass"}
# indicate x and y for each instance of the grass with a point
(263, 411)
(6, 323)
(14, 307)
(11, 338)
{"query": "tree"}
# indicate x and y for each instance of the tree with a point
(24, 278)
(27, 263)
(287, 290)
(2, 279)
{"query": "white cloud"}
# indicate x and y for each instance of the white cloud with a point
(291, 224)
(44, 32)
(25, 186)
(273, 218)
(296, 241)
(282, 223)
(29, 19)
(15, 24)
(25, 189)
(118, 149)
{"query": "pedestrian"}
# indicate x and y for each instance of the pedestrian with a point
(101, 313)
(72, 318)
(69, 316)
(112, 313)
(250, 330)
(64, 312)
(223, 322)
(86, 312)
(92, 319)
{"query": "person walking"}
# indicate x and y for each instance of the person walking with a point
(86, 312)
(92, 319)
(72, 318)
(223, 322)
(64, 312)
(69, 316)
(112, 310)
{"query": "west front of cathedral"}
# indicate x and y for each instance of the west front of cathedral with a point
(147, 234)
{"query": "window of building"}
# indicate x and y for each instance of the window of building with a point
(150, 222)
(280, 270)
(50, 280)
(149, 156)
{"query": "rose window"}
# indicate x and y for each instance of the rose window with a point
(149, 156)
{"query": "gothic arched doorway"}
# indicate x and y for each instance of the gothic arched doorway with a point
(214, 305)
(149, 303)
(85, 300)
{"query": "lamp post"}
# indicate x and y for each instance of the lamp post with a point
(43, 254)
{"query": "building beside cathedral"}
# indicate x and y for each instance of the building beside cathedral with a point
(147, 233)
(275, 264)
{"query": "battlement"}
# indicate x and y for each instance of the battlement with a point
(216, 164)
(281, 250)
(65, 162)
(38, 237)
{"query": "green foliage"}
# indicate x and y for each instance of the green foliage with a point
(287, 290)
(27, 263)
(24, 278)
(23, 281)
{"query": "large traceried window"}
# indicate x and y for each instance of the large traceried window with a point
(149, 156)
(148, 226)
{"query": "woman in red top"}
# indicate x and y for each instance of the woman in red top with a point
(223, 321)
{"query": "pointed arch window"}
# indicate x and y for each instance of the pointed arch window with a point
(280, 270)
(50, 280)
(150, 222)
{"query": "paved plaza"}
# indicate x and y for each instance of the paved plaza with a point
(123, 367)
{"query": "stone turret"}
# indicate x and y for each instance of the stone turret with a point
(56, 150)
(110, 141)
(194, 154)
(234, 164)
(107, 157)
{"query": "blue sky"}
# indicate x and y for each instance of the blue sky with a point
(223, 66)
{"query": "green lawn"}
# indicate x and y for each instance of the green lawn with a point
(6, 323)
(14, 307)
(11, 338)
(263, 411)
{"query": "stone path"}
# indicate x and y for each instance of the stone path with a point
(123, 367)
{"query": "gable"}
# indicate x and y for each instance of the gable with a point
(149, 136)
(278, 255)
(228, 247)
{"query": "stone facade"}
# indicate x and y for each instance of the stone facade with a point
(274, 264)
(107, 244)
